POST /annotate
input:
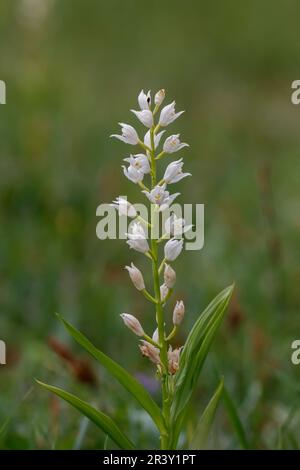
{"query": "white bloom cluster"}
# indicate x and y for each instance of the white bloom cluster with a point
(138, 166)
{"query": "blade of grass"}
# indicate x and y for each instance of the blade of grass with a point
(101, 420)
(196, 349)
(235, 419)
(14, 412)
(203, 429)
(193, 357)
(124, 378)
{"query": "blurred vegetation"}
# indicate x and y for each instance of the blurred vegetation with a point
(72, 70)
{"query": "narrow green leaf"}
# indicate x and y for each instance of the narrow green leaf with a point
(196, 349)
(127, 380)
(292, 440)
(203, 429)
(193, 357)
(100, 419)
(235, 420)
(279, 445)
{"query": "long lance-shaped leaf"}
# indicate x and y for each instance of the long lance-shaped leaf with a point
(179, 414)
(128, 381)
(100, 419)
(204, 426)
(219, 302)
(235, 419)
(194, 354)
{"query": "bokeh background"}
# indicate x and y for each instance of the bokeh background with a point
(73, 69)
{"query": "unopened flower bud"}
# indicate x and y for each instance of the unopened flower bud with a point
(163, 291)
(159, 97)
(136, 276)
(169, 276)
(155, 336)
(144, 100)
(173, 249)
(145, 116)
(178, 312)
(173, 359)
(150, 351)
(133, 324)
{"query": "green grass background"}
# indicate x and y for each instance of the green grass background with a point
(73, 69)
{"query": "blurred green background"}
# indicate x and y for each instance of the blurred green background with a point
(73, 69)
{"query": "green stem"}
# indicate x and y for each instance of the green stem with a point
(164, 438)
(148, 296)
(153, 162)
(148, 254)
(161, 266)
(144, 147)
(164, 237)
(155, 109)
(167, 297)
(145, 222)
(143, 186)
(150, 340)
(172, 334)
(156, 129)
(160, 155)
(163, 345)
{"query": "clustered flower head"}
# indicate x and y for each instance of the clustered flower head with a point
(140, 168)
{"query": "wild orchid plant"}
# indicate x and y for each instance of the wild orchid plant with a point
(177, 369)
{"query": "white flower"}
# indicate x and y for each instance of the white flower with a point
(129, 134)
(157, 137)
(133, 174)
(144, 100)
(163, 291)
(140, 162)
(158, 195)
(173, 172)
(169, 276)
(137, 239)
(175, 226)
(136, 277)
(132, 323)
(168, 114)
(155, 336)
(173, 249)
(173, 359)
(124, 207)
(150, 351)
(159, 97)
(145, 116)
(178, 312)
(172, 144)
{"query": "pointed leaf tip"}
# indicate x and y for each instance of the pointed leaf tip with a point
(101, 420)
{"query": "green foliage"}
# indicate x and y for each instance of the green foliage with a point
(124, 378)
(100, 419)
(70, 68)
(206, 421)
(194, 354)
(235, 419)
(195, 351)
